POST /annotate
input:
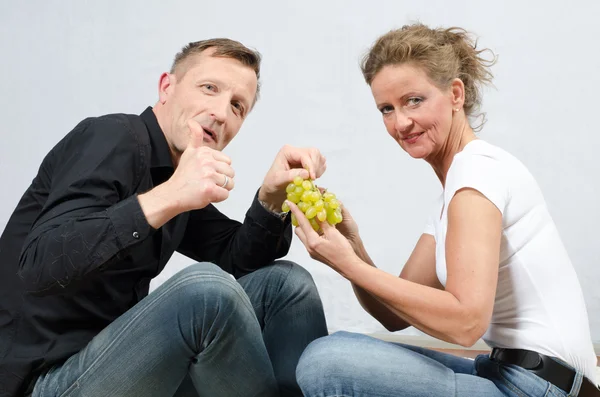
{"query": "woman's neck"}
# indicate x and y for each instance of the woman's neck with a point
(460, 135)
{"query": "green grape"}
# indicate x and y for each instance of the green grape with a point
(313, 204)
(311, 212)
(303, 206)
(334, 218)
(319, 204)
(333, 204)
(306, 196)
(315, 196)
(322, 215)
(314, 224)
(285, 207)
(327, 196)
(338, 216)
(293, 198)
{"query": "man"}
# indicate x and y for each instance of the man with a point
(110, 204)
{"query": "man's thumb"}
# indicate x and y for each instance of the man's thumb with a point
(196, 134)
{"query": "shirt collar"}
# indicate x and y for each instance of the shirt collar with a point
(161, 155)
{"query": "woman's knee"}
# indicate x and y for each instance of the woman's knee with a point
(328, 359)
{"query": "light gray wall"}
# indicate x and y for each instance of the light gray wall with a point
(66, 60)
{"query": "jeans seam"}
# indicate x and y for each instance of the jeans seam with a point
(44, 382)
(157, 299)
(267, 304)
(71, 389)
(550, 392)
(576, 384)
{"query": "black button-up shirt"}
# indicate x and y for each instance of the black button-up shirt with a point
(78, 251)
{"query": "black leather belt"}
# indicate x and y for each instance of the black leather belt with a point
(546, 368)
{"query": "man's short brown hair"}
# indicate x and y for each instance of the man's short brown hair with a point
(222, 47)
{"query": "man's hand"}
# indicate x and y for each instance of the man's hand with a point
(200, 176)
(203, 176)
(289, 163)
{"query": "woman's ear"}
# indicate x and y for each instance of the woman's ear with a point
(457, 90)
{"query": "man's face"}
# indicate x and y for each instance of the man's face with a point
(217, 92)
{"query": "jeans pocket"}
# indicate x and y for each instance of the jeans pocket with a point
(524, 383)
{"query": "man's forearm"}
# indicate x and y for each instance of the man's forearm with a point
(373, 306)
(265, 234)
(238, 248)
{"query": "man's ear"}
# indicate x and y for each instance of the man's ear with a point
(165, 85)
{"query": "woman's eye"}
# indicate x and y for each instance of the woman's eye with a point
(386, 109)
(414, 101)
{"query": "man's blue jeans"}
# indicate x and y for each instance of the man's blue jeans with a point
(353, 365)
(201, 333)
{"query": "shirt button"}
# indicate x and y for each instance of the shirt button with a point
(136, 235)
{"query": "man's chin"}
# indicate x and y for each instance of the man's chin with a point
(213, 145)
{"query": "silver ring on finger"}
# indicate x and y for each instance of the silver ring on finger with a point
(226, 181)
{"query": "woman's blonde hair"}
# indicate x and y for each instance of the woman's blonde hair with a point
(444, 54)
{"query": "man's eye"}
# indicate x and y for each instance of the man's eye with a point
(239, 108)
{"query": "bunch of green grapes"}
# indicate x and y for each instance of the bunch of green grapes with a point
(314, 204)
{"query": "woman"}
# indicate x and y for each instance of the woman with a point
(490, 263)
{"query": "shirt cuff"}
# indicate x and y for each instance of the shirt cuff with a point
(267, 219)
(129, 222)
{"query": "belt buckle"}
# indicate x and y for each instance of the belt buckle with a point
(532, 361)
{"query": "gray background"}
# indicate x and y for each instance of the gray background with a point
(66, 60)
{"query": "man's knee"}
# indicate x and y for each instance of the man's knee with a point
(205, 285)
(294, 278)
(203, 268)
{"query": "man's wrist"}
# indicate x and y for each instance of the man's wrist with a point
(268, 202)
(270, 205)
(280, 214)
(158, 206)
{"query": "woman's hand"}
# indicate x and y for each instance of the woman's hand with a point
(348, 226)
(331, 247)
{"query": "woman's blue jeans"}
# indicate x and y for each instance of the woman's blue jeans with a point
(346, 364)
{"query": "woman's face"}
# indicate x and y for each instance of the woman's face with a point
(416, 113)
